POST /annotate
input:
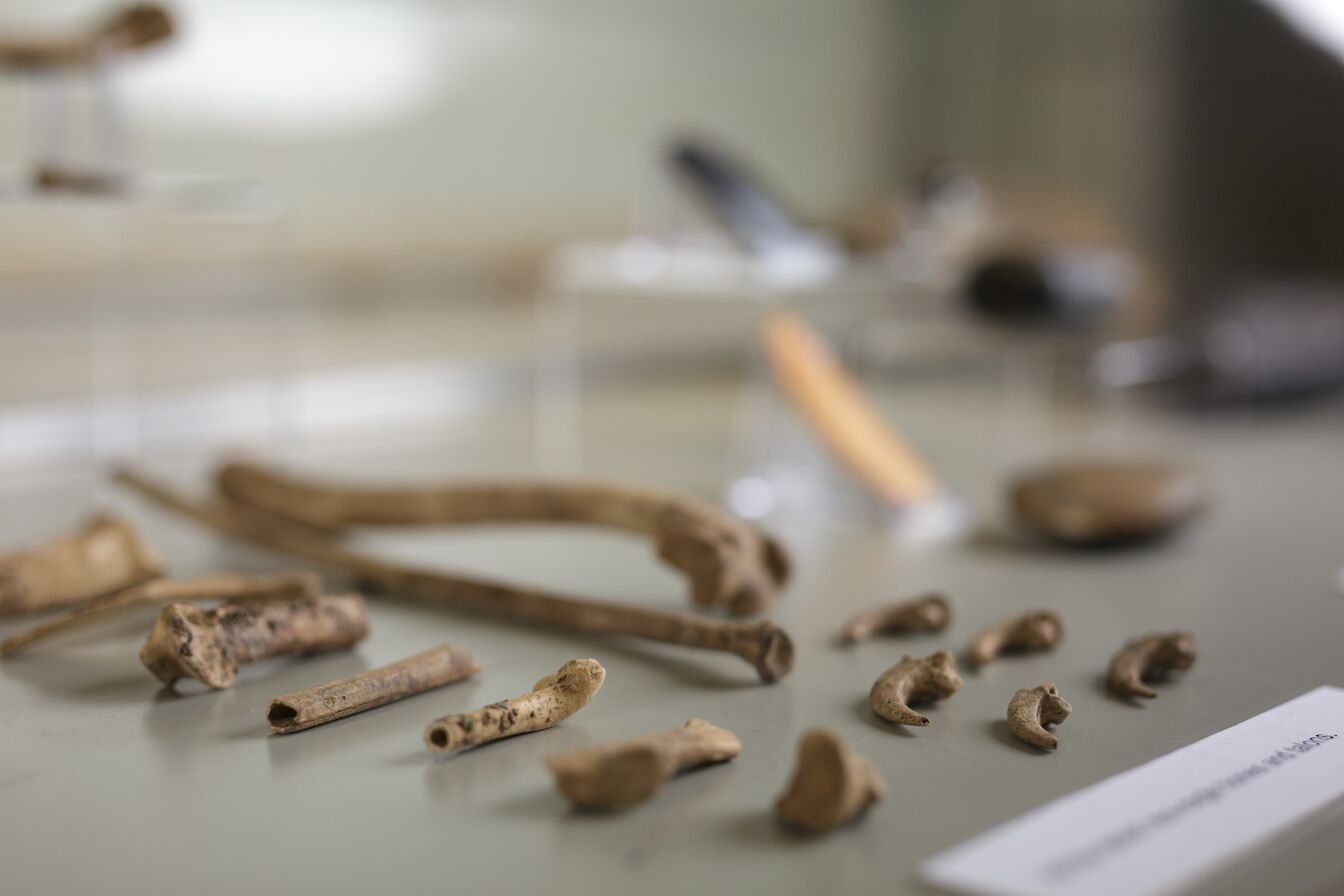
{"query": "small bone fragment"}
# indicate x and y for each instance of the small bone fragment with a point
(763, 644)
(914, 680)
(434, 668)
(729, 562)
(927, 613)
(551, 700)
(619, 775)
(1031, 709)
(211, 645)
(105, 554)
(1033, 630)
(1148, 658)
(224, 586)
(831, 786)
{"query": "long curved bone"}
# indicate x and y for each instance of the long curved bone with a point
(211, 645)
(1031, 709)
(551, 700)
(1033, 630)
(223, 586)
(728, 561)
(831, 785)
(104, 555)
(914, 680)
(763, 644)
(619, 775)
(927, 613)
(126, 29)
(1149, 657)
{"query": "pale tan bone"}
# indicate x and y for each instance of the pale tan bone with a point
(222, 586)
(619, 775)
(211, 645)
(763, 644)
(1033, 630)
(128, 29)
(334, 700)
(836, 408)
(1149, 657)
(1031, 709)
(551, 701)
(831, 785)
(728, 561)
(914, 680)
(104, 555)
(927, 613)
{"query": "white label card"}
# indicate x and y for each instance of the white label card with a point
(1164, 825)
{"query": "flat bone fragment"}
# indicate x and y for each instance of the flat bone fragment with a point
(619, 775)
(831, 785)
(551, 700)
(211, 645)
(103, 555)
(912, 681)
(433, 668)
(926, 613)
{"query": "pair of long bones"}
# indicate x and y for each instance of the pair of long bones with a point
(729, 563)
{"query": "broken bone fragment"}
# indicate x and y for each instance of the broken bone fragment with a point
(1031, 709)
(1149, 658)
(211, 645)
(551, 700)
(1033, 630)
(914, 681)
(1106, 501)
(324, 703)
(831, 785)
(103, 555)
(926, 613)
(619, 775)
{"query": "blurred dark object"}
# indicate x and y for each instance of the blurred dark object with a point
(126, 29)
(1254, 193)
(1065, 287)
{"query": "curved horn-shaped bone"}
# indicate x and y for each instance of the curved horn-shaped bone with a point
(914, 680)
(623, 774)
(1149, 657)
(1034, 630)
(551, 700)
(1031, 709)
(831, 785)
(927, 613)
(728, 561)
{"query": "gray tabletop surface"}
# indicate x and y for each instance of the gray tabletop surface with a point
(110, 783)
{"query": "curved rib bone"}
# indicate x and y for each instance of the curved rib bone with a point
(928, 613)
(1149, 657)
(211, 645)
(104, 555)
(763, 644)
(1034, 630)
(223, 586)
(914, 680)
(619, 775)
(551, 701)
(728, 561)
(1031, 709)
(831, 785)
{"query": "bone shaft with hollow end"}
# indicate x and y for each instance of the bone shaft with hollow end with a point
(105, 555)
(223, 586)
(433, 668)
(758, 643)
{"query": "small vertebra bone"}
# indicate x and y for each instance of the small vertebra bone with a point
(551, 700)
(1147, 658)
(927, 613)
(104, 555)
(211, 645)
(620, 775)
(831, 785)
(1031, 709)
(1035, 630)
(914, 680)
